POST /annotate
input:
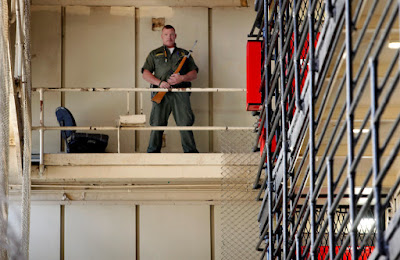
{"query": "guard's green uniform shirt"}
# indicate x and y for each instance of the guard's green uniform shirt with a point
(162, 63)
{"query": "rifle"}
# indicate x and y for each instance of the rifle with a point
(160, 95)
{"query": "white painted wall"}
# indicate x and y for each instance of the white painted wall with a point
(46, 71)
(100, 232)
(45, 232)
(229, 29)
(100, 53)
(175, 232)
(108, 231)
(44, 240)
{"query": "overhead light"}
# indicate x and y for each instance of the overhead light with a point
(365, 225)
(364, 131)
(366, 191)
(394, 45)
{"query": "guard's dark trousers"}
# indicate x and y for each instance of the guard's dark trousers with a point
(179, 104)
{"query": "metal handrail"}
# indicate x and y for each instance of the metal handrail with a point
(117, 128)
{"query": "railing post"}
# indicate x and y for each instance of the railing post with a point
(298, 250)
(311, 124)
(41, 133)
(295, 58)
(380, 241)
(283, 130)
(331, 213)
(349, 122)
(266, 147)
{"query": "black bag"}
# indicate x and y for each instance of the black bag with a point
(79, 142)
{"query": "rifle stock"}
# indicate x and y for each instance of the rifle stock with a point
(160, 95)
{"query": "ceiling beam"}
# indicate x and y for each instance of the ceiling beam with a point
(139, 3)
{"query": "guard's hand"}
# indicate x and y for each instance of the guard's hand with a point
(175, 79)
(165, 85)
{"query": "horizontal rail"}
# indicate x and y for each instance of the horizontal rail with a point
(145, 128)
(139, 90)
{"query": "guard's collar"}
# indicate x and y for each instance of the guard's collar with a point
(166, 47)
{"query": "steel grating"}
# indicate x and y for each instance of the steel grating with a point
(329, 170)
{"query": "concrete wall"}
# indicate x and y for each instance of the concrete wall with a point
(107, 46)
(118, 231)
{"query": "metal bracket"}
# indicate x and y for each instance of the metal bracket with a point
(42, 169)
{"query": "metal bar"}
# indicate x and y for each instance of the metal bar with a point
(321, 231)
(379, 112)
(331, 215)
(349, 120)
(127, 103)
(377, 31)
(335, 69)
(41, 133)
(298, 251)
(119, 139)
(376, 157)
(311, 127)
(145, 128)
(260, 127)
(283, 134)
(140, 89)
(267, 148)
(325, 65)
(326, 124)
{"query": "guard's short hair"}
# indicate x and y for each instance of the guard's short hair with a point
(168, 27)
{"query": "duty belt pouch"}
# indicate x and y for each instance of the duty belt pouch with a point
(79, 142)
(153, 93)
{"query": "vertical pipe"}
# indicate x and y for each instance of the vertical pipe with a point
(331, 214)
(141, 102)
(283, 130)
(349, 122)
(63, 55)
(210, 81)
(376, 157)
(266, 147)
(295, 59)
(276, 94)
(298, 251)
(297, 93)
(119, 138)
(311, 125)
(41, 133)
(127, 102)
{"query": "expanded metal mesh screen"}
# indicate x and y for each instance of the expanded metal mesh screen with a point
(4, 126)
(239, 209)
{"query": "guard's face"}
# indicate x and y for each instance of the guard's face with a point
(168, 37)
